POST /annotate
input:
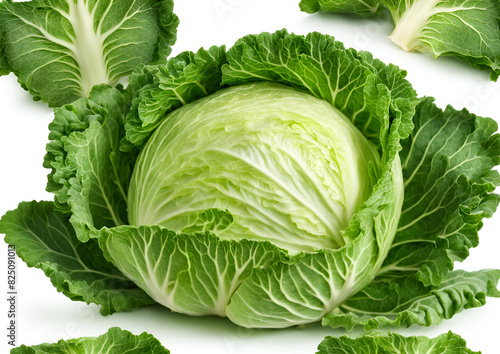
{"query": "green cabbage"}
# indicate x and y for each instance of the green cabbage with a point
(290, 168)
(285, 181)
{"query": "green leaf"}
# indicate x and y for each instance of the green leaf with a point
(213, 220)
(190, 273)
(465, 29)
(393, 343)
(60, 49)
(90, 175)
(353, 82)
(183, 79)
(364, 8)
(114, 341)
(447, 168)
(4, 66)
(167, 26)
(406, 301)
(312, 285)
(45, 239)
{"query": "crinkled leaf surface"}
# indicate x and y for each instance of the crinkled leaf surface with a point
(321, 66)
(406, 302)
(45, 239)
(114, 341)
(90, 175)
(447, 168)
(60, 49)
(365, 8)
(195, 273)
(161, 89)
(214, 220)
(393, 343)
(466, 29)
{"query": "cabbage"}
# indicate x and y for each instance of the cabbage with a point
(285, 181)
(290, 168)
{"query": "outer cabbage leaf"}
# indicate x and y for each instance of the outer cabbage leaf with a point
(365, 8)
(188, 76)
(195, 273)
(393, 343)
(60, 49)
(45, 239)
(447, 168)
(114, 341)
(90, 175)
(407, 302)
(466, 29)
(366, 90)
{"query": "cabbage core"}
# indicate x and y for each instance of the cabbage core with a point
(289, 167)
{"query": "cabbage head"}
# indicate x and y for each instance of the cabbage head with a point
(285, 181)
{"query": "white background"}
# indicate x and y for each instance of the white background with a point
(44, 315)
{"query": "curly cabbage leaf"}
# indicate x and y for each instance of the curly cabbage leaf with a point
(114, 341)
(466, 29)
(45, 239)
(393, 343)
(450, 156)
(60, 49)
(202, 262)
(365, 8)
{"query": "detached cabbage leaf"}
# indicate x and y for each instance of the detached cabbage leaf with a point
(114, 341)
(466, 29)
(393, 343)
(365, 8)
(209, 254)
(60, 49)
